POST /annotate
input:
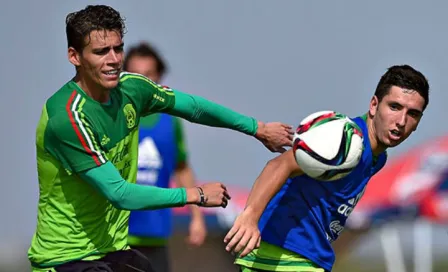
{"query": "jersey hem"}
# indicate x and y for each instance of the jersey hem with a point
(135, 240)
(250, 264)
(306, 254)
(96, 255)
(282, 260)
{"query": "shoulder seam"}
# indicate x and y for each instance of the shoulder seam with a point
(126, 75)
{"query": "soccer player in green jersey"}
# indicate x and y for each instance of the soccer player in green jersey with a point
(86, 143)
(162, 158)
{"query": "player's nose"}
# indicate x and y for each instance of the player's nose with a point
(114, 57)
(401, 119)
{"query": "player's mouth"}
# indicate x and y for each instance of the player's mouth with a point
(395, 134)
(111, 74)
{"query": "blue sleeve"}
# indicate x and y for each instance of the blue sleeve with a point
(128, 196)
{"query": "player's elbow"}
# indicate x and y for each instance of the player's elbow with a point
(118, 202)
(117, 197)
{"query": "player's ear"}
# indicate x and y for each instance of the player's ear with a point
(373, 107)
(74, 56)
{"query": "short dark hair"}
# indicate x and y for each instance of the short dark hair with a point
(144, 49)
(406, 77)
(80, 24)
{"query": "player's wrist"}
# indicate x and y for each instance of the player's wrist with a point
(260, 132)
(196, 196)
(193, 196)
(253, 212)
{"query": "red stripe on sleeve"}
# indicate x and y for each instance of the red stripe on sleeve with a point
(78, 133)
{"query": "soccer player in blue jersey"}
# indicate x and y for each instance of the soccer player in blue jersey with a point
(290, 219)
(162, 157)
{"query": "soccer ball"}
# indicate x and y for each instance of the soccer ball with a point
(327, 145)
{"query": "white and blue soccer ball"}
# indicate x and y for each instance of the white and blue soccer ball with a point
(327, 145)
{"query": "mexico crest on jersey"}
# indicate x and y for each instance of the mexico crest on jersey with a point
(131, 116)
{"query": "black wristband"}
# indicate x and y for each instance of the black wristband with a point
(202, 196)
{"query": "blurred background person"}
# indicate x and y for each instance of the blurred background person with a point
(162, 157)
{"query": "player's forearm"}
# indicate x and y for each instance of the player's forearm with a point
(268, 183)
(185, 178)
(128, 196)
(202, 111)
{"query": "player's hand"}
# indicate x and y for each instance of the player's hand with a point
(215, 195)
(244, 236)
(197, 231)
(275, 136)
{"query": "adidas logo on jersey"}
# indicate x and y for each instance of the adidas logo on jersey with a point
(347, 208)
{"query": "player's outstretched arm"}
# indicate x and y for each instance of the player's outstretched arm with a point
(128, 196)
(151, 97)
(275, 136)
(244, 236)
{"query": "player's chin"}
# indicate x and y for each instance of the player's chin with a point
(392, 143)
(109, 84)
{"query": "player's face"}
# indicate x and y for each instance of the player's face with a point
(100, 62)
(396, 116)
(146, 66)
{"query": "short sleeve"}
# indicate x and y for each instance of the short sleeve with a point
(181, 146)
(150, 97)
(74, 143)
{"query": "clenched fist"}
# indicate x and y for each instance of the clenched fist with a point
(209, 195)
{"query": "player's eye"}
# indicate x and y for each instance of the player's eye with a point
(118, 49)
(103, 51)
(415, 114)
(394, 106)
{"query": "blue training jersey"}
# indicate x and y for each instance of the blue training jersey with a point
(156, 163)
(306, 215)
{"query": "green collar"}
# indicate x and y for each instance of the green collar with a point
(364, 117)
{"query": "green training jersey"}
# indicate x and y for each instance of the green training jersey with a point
(76, 133)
